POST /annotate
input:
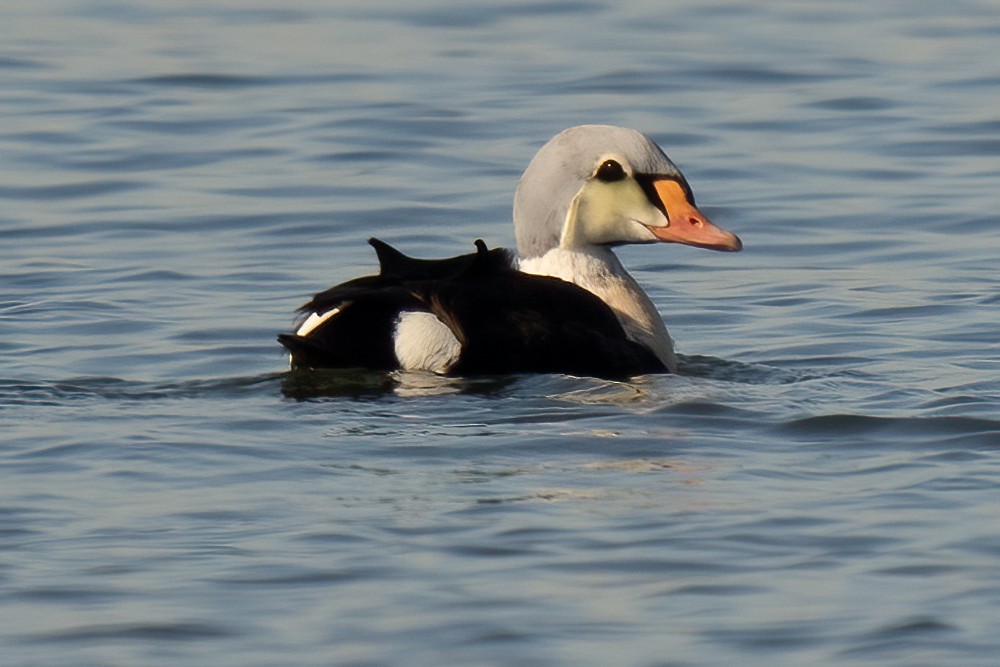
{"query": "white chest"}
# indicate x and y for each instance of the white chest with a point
(600, 273)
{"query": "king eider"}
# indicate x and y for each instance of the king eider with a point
(563, 304)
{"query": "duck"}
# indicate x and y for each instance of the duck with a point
(561, 303)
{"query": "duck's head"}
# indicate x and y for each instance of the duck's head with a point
(601, 185)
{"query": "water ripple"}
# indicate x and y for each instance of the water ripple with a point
(180, 631)
(89, 189)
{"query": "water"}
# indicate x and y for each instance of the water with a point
(818, 486)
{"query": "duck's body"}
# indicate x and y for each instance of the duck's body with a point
(565, 305)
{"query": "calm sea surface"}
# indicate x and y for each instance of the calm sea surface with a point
(819, 486)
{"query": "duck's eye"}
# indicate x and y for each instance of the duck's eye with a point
(609, 171)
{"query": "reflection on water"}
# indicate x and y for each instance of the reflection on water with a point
(816, 485)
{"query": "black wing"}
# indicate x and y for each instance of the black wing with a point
(360, 334)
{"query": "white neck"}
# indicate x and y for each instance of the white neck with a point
(597, 270)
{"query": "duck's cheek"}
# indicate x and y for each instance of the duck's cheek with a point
(611, 214)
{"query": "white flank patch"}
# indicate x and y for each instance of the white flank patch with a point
(425, 343)
(314, 320)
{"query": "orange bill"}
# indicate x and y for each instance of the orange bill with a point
(687, 224)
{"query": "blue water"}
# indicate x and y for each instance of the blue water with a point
(818, 486)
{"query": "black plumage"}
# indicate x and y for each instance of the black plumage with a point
(506, 321)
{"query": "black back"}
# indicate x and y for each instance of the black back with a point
(505, 320)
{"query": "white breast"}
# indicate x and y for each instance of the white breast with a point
(597, 270)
